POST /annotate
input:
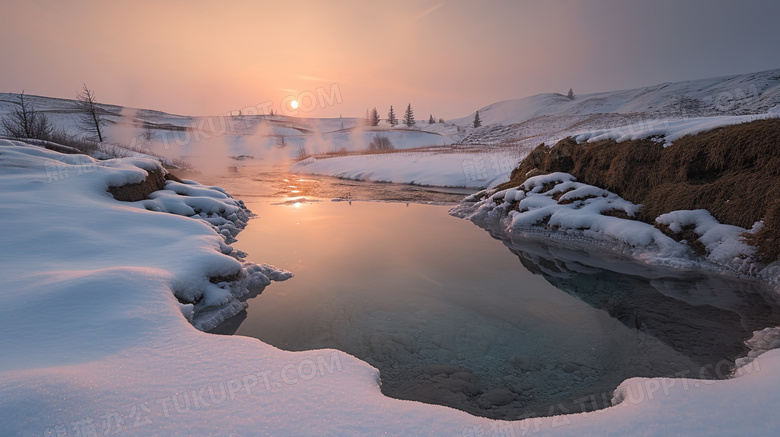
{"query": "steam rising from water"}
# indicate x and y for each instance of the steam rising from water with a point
(212, 145)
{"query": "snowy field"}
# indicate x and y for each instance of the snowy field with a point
(453, 169)
(95, 342)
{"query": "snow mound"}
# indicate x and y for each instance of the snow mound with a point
(557, 204)
(723, 243)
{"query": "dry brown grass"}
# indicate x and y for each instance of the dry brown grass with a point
(154, 181)
(733, 172)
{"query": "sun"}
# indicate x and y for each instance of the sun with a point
(294, 104)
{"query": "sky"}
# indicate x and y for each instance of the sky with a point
(340, 58)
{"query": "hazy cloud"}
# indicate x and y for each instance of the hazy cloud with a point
(428, 11)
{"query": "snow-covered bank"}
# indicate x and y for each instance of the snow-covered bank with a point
(94, 341)
(557, 206)
(444, 169)
(669, 130)
(92, 230)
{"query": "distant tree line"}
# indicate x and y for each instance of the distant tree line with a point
(373, 119)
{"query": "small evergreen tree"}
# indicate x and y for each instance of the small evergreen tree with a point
(391, 117)
(373, 120)
(570, 95)
(409, 116)
(477, 121)
(431, 120)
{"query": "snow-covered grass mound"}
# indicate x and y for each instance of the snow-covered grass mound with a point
(557, 205)
(730, 171)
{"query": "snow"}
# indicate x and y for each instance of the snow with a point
(668, 130)
(445, 168)
(752, 93)
(724, 243)
(559, 206)
(94, 341)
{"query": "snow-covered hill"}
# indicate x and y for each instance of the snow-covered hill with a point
(547, 118)
(752, 93)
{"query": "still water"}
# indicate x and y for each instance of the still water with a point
(497, 327)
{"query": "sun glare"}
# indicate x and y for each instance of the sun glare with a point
(294, 104)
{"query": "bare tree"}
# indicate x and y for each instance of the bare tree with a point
(380, 142)
(302, 153)
(25, 122)
(90, 116)
(148, 133)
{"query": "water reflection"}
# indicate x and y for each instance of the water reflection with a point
(704, 315)
(256, 179)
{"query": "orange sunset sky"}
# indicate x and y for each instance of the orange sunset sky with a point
(446, 58)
